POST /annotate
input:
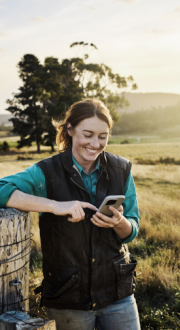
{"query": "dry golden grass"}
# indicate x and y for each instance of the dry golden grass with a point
(157, 273)
(170, 172)
(148, 151)
(157, 246)
(13, 167)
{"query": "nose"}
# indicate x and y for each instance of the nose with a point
(95, 143)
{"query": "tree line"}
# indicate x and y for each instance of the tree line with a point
(49, 89)
(149, 120)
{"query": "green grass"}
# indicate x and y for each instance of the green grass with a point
(143, 138)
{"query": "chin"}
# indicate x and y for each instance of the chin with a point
(91, 157)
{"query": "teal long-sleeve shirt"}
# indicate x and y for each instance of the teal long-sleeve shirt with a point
(32, 181)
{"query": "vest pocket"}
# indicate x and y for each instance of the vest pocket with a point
(126, 276)
(68, 293)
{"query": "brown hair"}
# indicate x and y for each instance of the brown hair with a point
(87, 108)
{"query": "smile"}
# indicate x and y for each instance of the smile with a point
(91, 151)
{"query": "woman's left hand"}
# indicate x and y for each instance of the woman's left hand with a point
(102, 220)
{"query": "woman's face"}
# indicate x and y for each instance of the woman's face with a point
(89, 138)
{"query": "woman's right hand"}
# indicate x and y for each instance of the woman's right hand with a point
(73, 208)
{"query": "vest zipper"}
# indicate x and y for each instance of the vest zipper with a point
(98, 181)
(82, 189)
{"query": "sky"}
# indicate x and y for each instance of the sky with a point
(134, 37)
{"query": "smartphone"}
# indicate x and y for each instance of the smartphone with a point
(114, 201)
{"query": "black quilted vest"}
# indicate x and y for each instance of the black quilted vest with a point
(85, 267)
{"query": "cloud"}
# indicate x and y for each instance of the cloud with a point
(177, 10)
(158, 32)
(92, 8)
(3, 7)
(38, 19)
(126, 2)
(173, 14)
(2, 34)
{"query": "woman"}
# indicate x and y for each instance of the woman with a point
(88, 271)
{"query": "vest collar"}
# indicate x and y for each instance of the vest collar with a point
(68, 166)
(68, 163)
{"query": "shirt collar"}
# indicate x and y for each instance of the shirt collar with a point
(81, 169)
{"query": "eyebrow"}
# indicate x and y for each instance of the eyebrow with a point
(86, 130)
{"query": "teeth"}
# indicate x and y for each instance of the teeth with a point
(91, 151)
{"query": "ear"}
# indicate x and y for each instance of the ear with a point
(69, 129)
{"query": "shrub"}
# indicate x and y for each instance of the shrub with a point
(125, 142)
(4, 146)
(167, 161)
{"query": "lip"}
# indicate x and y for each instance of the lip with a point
(93, 152)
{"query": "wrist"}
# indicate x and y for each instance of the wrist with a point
(51, 206)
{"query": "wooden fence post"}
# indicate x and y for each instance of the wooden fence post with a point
(15, 247)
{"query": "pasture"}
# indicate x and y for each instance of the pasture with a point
(157, 247)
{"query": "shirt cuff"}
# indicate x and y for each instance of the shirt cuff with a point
(6, 193)
(133, 234)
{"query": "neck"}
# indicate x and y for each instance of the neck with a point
(87, 167)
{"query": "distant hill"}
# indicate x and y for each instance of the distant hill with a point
(138, 101)
(145, 101)
(4, 120)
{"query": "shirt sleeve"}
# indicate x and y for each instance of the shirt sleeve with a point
(31, 181)
(130, 206)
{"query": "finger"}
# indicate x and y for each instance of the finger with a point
(120, 209)
(79, 214)
(101, 223)
(98, 224)
(82, 213)
(104, 217)
(88, 205)
(112, 221)
(114, 211)
(73, 216)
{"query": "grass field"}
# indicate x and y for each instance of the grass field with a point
(157, 246)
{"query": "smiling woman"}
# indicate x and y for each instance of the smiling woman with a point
(87, 124)
(87, 108)
(86, 263)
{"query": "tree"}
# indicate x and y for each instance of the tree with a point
(49, 89)
(58, 91)
(25, 105)
(98, 80)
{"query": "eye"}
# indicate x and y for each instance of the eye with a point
(87, 136)
(102, 137)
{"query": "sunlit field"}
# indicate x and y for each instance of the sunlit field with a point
(157, 246)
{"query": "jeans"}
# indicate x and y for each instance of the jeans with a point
(120, 315)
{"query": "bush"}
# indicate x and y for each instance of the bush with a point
(125, 142)
(167, 160)
(4, 146)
